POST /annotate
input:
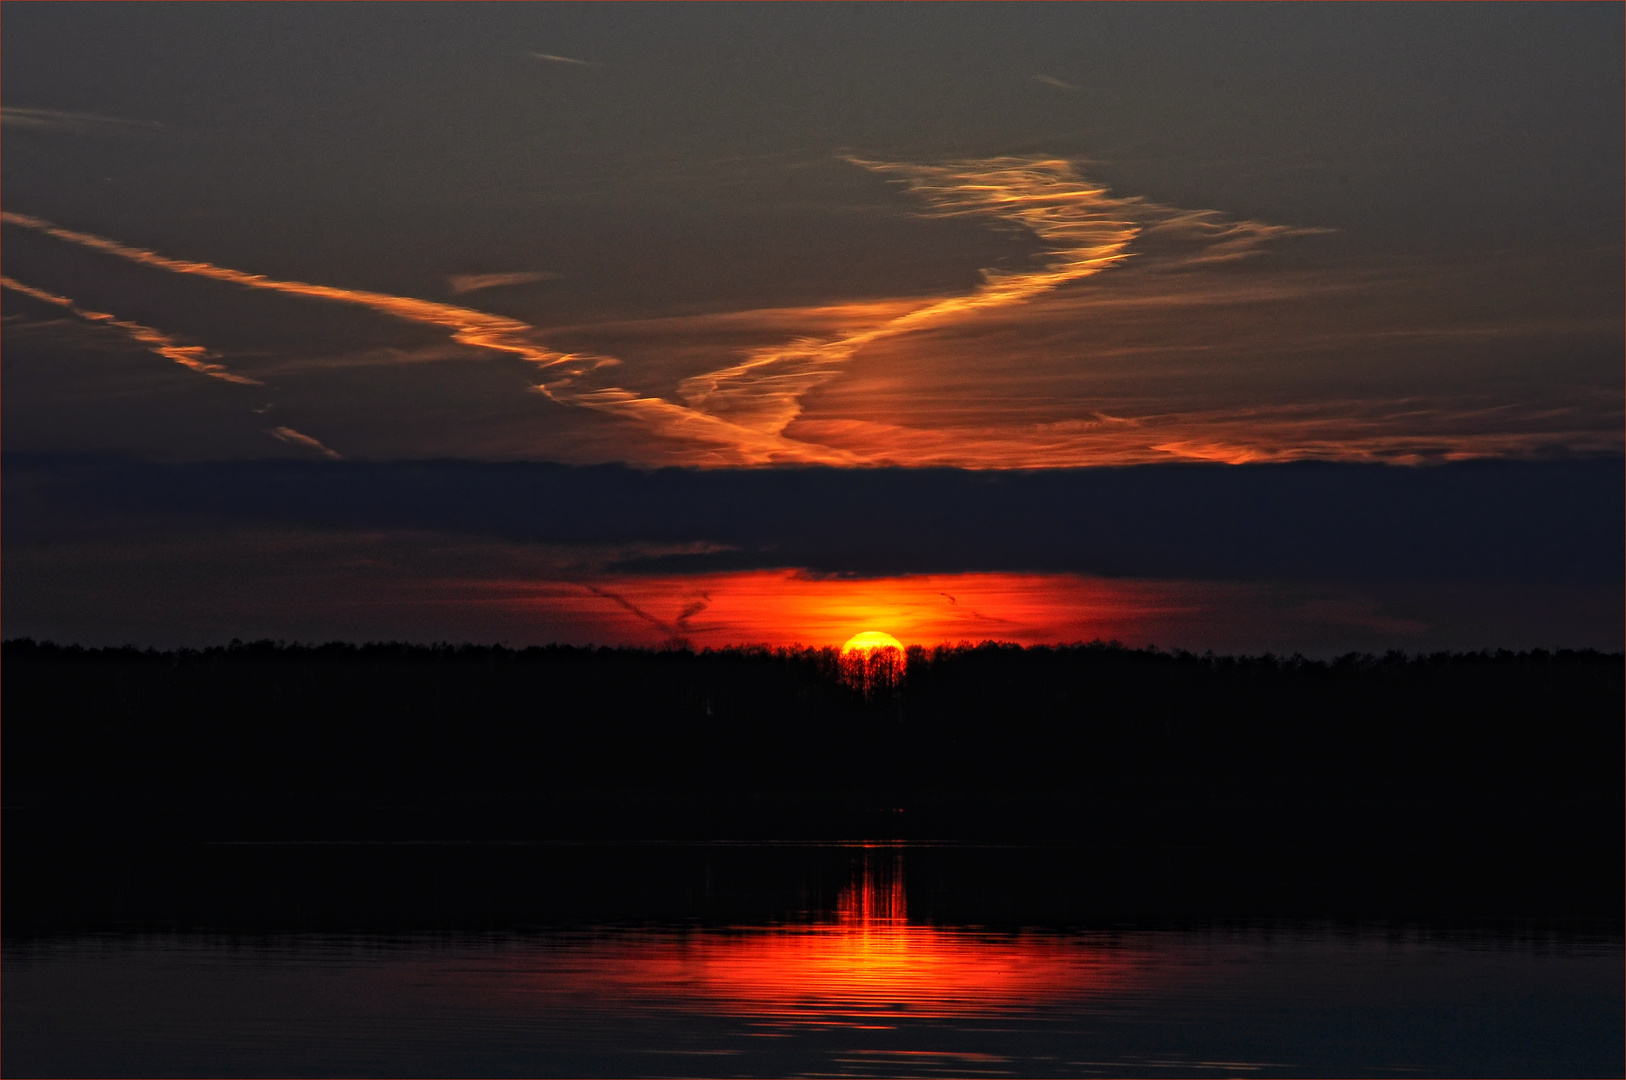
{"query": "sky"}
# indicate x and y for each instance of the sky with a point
(1239, 327)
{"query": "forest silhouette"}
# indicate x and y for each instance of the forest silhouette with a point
(1484, 781)
(269, 716)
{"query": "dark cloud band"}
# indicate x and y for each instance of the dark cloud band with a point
(1467, 521)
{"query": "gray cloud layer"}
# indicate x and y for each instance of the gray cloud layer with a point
(1470, 521)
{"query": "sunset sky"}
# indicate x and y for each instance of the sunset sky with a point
(1280, 327)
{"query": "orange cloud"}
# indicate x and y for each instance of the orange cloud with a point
(746, 410)
(196, 357)
(478, 329)
(740, 413)
(557, 59)
(467, 283)
(1378, 430)
(64, 120)
(299, 438)
(1164, 359)
(746, 407)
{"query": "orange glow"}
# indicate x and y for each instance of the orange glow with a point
(786, 607)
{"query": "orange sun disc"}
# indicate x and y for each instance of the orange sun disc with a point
(871, 640)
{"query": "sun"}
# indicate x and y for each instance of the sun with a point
(869, 641)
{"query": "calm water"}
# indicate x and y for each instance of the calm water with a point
(860, 990)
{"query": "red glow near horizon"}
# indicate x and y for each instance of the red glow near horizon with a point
(786, 607)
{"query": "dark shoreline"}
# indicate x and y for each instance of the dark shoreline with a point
(394, 887)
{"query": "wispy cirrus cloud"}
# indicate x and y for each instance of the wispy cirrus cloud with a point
(479, 329)
(1374, 430)
(467, 283)
(745, 409)
(196, 357)
(468, 326)
(742, 412)
(555, 58)
(299, 438)
(14, 116)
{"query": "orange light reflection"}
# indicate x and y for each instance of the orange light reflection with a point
(872, 965)
(869, 967)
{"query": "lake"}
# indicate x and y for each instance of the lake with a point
(852, 981)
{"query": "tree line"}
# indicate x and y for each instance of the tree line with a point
(268, 716)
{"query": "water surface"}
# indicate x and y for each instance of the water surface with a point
(862, 989)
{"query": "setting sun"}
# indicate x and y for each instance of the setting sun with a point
(870, 640)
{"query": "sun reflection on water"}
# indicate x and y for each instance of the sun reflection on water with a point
(867, 966)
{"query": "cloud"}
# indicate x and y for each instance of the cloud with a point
(299, 438)
(62, 120)
(1126, 340)
(745, 410)
(195, 357)
(381, 356)
(1084, 233)
(1050, 80)
(554, 58)
(750, 411)
(467, 283)
(1378, 429)
(477, 329)
(1467, 521)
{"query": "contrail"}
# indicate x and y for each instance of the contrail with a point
(692, 609)
(738, 414)
(196, 357)
(469, 327)
(63, 119)
(664, 627)
(1086, 228)
(556, 59)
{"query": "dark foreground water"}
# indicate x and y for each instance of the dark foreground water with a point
(852, 984)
